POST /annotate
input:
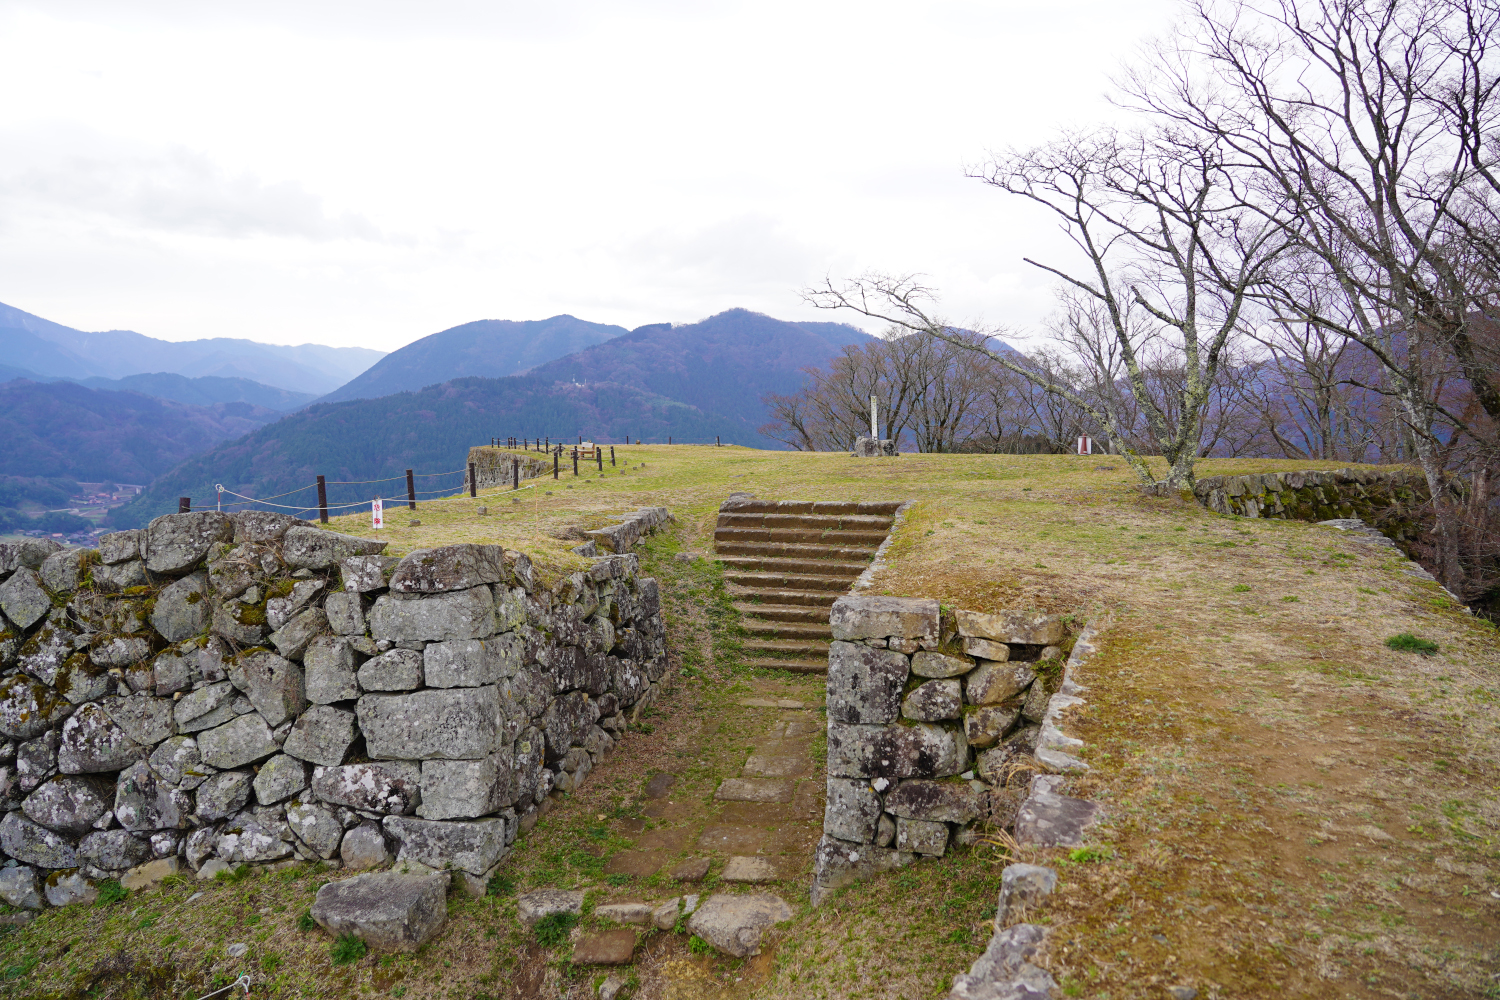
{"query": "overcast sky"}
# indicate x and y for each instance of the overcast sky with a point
(369, 173)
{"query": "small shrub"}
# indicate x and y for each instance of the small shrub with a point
(698, 946)
(500, 884)
(1086, 854)
(306, 921)
(347, 949)
(111, 891)
(1405, 642)
(553, 929)
(617, 880)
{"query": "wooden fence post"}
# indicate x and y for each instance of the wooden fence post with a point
(184, 505)
(322, 500)
(411, 491)
(515, 473)
(575, 461)
(599, 456)
(473, 485)
(611, 454)
(555, 454)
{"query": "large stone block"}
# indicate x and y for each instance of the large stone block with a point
(451, 724)
(930, 664)
(465, 789)
(240, 741)
(461, 614)
(145, 719)
(1021, 627)
(306, 547)
(120, 546)
(364, 847)
(933, 801)
(1005, 972)
(68, 805)
(987, 725)
(1047, 819)
(281, 610)
(396, 670)
(33, 844)
(23, 599)
(262, 526)
(182, 609)
(321, 735)
(934, 701)
(119, 651)
(362, 574)
(29, 553)
(177, 762)
(346, 613)
(472, 662)
(474, 847)
(851, 810)
(994, 682)
(279, 779)
(451, 567)
(113, 850)
(175, 542)
(204, 708)
(864, 683)
(921, 837)
(317, 828)
(328, 667)
(388, 911)
(113, 579)
(92, 743)
(274, 685)
(737, 925)
(61, 571)
(142, 802)
(856, 616)
(566, 720)
(291, 639)
(19, 887)
(393, 787)
(28, 708)
(922, 750)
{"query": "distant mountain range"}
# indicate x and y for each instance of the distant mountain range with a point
(205, 390)
(492, 348)
(31, 343)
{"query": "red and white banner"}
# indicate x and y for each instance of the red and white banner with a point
(377, 513)
(1085, 445)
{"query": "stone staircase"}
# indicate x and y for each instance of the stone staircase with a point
(786, 562)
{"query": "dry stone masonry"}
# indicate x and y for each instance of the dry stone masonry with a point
(222, 689)
(1312, 496)
(935, 721)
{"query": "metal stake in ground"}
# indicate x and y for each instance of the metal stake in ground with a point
(411, 491)
(322, 500)
(473, 486)
(184, 505)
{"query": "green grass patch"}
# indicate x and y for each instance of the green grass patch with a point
(1405, 642)
(553, 929)
(348, 949)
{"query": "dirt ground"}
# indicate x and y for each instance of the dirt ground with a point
(1294, 808)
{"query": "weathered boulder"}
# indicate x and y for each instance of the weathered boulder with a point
(1034, 709)
(23, 600)
(329, 669)
(986, 649)
(451, 567)
(119, 650)
(395, 670)
(321, 735)
(279, 610)
(113, 850)
(120, 576)
(142, 802)
(177, 761)
(857, 616)
(464, 789)
(273, 685)
(1004, 971)
(1020, 627)
(535, 906)
(472, 662)
(306, 547)
(1023, 885)
(388, 911)
(120, 546)
(68, 805)
(851, 810)
(566, 720)
(933, 801)
(61, 571)
(182, 609)
(19, 888)
(1048, 819)
(474, 847)
(390, 787)
(291, 640)
(223, 795)
(28, 553)
(36, 760)
(28, 708)
(204, 708)
(240, 741)
(921, 750)
(175, 542)
(33, 844)
(738, 925)
(261, 526)
(150, 874)
(92, 743)
(43, 655)
(864, 684)
(67, 888)
(453, 724)
(247, 839)
(346, 615)
(145, 719)
(279, 779)
(934, 701)
(461, 614)
(921, 837)
(994, 682)
(929, 664)
(987, 725)
(364, 847)
(362, 574)
(317, 828)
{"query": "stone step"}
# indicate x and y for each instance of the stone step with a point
(885, 508)
(817, 613)
(804, 666)
(774, 564)
(787, 581)
(787, 630)
(821, 599)
(805, 648)
(821, 522)
(797, 550)
(829, 536)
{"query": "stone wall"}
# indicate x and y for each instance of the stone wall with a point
(934, 722)
(1380, 497)
(217, 689)
(492, 466)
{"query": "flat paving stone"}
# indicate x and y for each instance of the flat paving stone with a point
(756, 814)
(673, 839)
(691, 870)
(638, 863)
(631, 827)
(673, 810)
(799, 727)
(754, 790)
(749, 869)
(807, 804)
(786, 703)
(605, 948)
(659, 785)
(776, 767)
(732, 839)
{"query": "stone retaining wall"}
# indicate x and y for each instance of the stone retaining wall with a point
(217, 689)
(492, 466)
(1316, 496)
(934, 722)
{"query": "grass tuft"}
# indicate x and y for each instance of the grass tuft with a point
(348, 949)
(1405, 642)
(553, 929)
(111, 891)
